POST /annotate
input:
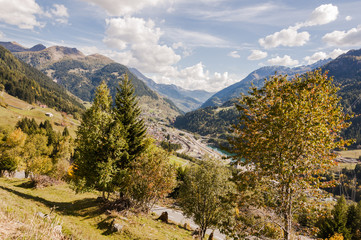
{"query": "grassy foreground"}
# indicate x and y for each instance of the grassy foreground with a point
(78, 214)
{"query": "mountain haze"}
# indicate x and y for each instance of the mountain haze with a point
(186, 100)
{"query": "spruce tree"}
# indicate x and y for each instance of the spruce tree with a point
(127, 112)
(99, 145)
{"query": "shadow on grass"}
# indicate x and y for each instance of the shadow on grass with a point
(87, 207)
(106, 225)
(26, 185)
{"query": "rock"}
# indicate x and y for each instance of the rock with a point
(115, 227)
(58, 229)
(163, 217)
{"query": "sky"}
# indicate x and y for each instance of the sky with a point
(195, 44)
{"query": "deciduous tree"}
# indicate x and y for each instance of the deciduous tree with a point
(286, 135)
(203, 195)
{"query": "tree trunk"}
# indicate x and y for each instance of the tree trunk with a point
(288, 216)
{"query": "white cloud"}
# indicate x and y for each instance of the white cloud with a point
(322, 55)
(197, 77)
(284, 61)
(289, 37)
(59, 10)
(247, 13)
(138, 43)
(323, 14)
(21, 13)
(348, 18)
(60, 13)
(122, 32)
(351, 37)
(195, 39)
(257, 55)
(124, 7)
(1, 34)
(315, 57)
(234, 54)
(335, 53)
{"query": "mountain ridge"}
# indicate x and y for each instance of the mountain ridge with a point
(81, 74)
(256, 78)
(186, 100)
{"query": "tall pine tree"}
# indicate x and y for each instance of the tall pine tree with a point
(127, 112)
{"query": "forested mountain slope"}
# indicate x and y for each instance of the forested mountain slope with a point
(32, 86)
(81, 74)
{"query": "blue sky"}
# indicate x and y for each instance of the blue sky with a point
(195, 44)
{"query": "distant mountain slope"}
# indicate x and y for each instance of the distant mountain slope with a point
(257, 78)
(346, 70)
(31, 85)
(81, 75)
(186, 100)
(16, 47)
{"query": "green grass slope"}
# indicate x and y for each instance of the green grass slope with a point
(78, 214)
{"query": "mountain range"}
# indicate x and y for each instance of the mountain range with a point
(215, 120)
(81, 74)
(256, 78)
(186, 100)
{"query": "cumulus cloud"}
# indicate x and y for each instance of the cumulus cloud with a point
(60, 13)
(21, 13)
(197, 77)
(138, 43)
(322, 55)
(323, 14)
(316, 57)
(351, 37)
(124, 7)
(348, 18)
(289, 37)
(257, 55)
(283, 61)
(234, 54)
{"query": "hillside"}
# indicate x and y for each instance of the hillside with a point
(346, 70)
(81, 74)
(256, 78)
(32, 86)
(186, 100)
(17, 109)
(71, 216)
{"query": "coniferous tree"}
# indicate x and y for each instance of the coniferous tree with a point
(97, 147)
(127, 112)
